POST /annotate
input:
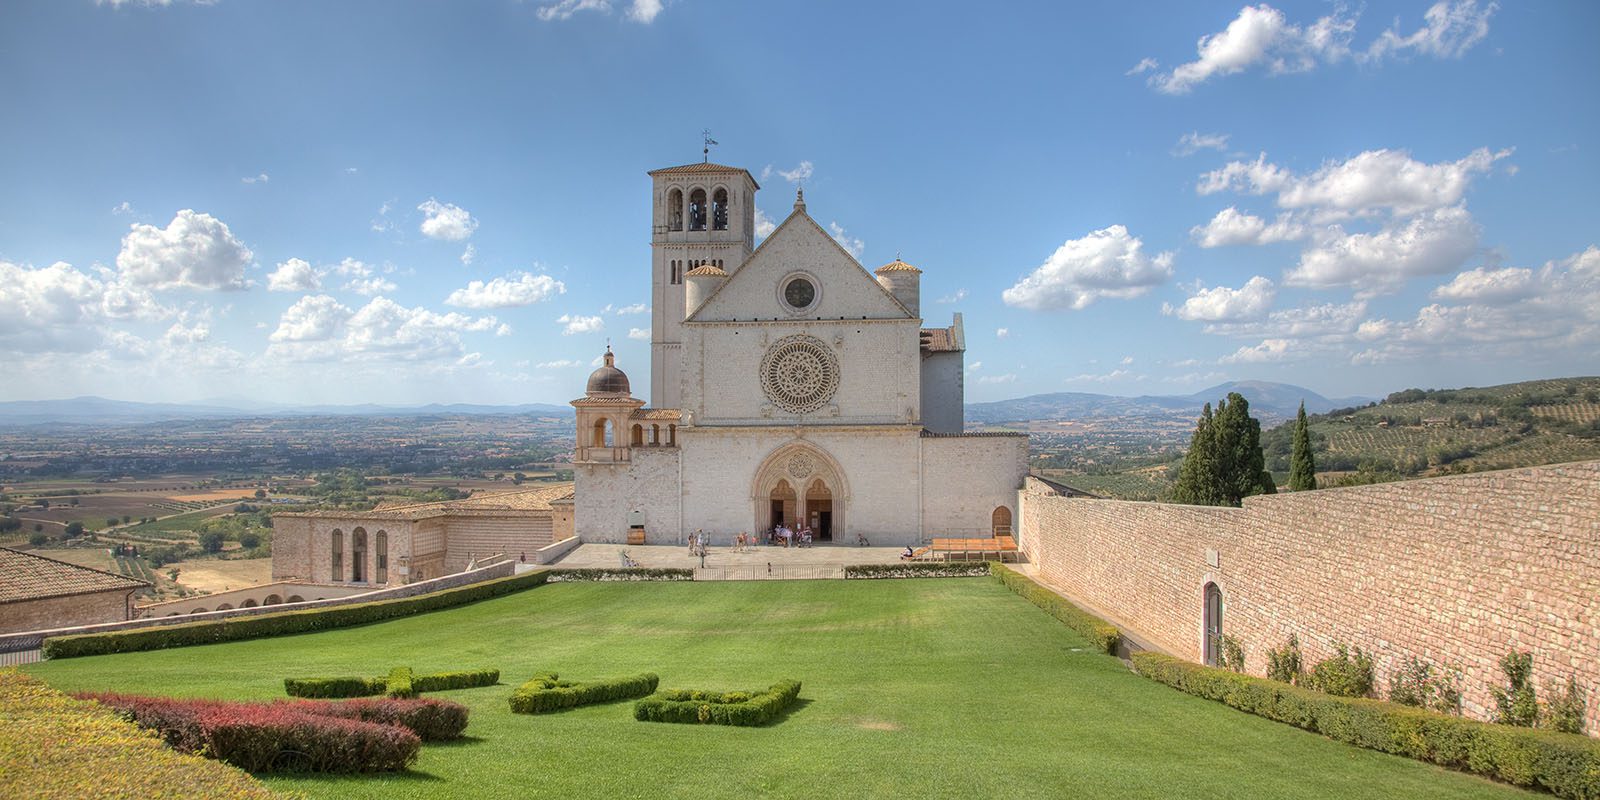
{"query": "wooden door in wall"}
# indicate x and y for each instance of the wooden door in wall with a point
(1213, 625)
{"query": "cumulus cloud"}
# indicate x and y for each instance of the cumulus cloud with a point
(1233, 227)
(1106, 263)
(1114, 376)
(764, 224)
(1195, 141)
(1009, 377)
(1328, 322)
(636, 308)
(194, 251)
(259, 178)
(1371, 181)
(294, 275)
(1267, 350)
(319, 328)
(1450, 29)
(469, 255)
(580, 324)
(801, 172)
(1488, 285)
(1222, 304)
(446, 221)
(563, 363)
(1380, 262)
(123, 207)
(854, 245)
(639, 334)
(511, 291)
(370, 286)
(50, 309)
(1144, 65)
(643, 12)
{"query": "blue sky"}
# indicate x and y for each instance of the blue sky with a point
(414, 202)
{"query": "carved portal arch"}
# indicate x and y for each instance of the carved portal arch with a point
(801, 485)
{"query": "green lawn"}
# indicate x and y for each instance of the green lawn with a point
(913, 688)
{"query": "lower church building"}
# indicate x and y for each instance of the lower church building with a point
(789, 387)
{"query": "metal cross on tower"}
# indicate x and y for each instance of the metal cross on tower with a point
(705, 146)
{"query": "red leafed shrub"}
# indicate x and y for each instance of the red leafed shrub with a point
(431, 720)
(262, 737)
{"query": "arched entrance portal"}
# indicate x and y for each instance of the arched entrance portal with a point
(801, 486)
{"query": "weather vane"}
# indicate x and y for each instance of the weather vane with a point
(705, 146)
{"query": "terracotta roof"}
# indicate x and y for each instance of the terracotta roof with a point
(706, 269)
(25, 576)
(702, 168)
(896, 266)
(656, 413)
(938, 340)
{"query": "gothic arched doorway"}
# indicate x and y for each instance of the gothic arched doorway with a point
(801, 486)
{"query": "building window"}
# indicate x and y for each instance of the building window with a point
(338, 555)
(358, 555)
(697, 210)
(638, 436)
(1213, 623)
(719, 210)
(675, 210)
(677, 272)
(383, 557)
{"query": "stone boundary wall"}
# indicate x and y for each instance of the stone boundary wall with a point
(501, 569)
(1457, 570)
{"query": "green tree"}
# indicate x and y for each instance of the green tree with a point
(1302, 467)
(74, 529)
(249, 540)
(1224, 464)
(211, 542)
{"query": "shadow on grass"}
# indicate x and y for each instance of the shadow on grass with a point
(463, 741)
(408, 776)
(794, 708)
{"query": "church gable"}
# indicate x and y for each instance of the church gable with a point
(772, 283)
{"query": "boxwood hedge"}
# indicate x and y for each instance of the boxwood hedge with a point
(286, 622)
(919, 569)
(629, 574)
(1102, 634)
(367, 687)
(545, 693)
(718, 708)
(1565, 764)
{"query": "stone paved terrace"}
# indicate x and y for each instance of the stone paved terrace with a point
(821, 561)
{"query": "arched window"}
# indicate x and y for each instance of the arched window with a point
(338, 555)
(383, 558)
(672, 436)
(719, 210)
(1213, 623)
(358, 555)
(655, 434)
(638, 436)
(272, 600)
(225, 607)
(675, 210)
(602, 432)
(251, 603)
(697, 210)
(1000, 521)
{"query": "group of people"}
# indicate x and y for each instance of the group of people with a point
(785, 536)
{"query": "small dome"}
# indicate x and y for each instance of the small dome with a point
(706, 270)
(608, 379)
(896, 266)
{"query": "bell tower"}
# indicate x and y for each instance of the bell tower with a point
(702, 215)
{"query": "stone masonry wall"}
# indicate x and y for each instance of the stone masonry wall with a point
(1457, 570)
(61, 612)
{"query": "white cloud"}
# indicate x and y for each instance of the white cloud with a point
(580, 324)
(183, 334)
(1002, 333)
(516, 289)
(1009, 377)
(381, 223)
(1380, 262)
(564, 363)
(1450, 29)
(468, 255)
(1267, 350)
(1109, 377)
(1371, 181)
(1106, 263)
(644, 11)
(1260, 36)
(975, 366)
(261, 178)
(1327, 321)
(1144, 65)
(954, 297)
(854, 245)
(1255, 177)
(319, 328)
(294, 275)
(1488, 285)
(764, 224)
(195, 251)
(446, 221)
(801, 172)
(1126, 360)
(51, 309)
(1195, 141)
(1221, 304)
(123, 207)
(1232, 227)
(564, 9)
(370, 286)
(636, 308)
(639, 334)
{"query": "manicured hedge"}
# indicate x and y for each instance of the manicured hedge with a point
(53, 747)
(281, 623)
(431, 720)
(275, 737)
(919, 569)
(399, 683)
(367, 687)
(718, 708)
(1102, 634)
(629, 574)
(545, 693)
(1565, 764)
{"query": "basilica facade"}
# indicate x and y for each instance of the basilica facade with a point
(789, 386)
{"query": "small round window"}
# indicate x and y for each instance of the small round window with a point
(799, 293)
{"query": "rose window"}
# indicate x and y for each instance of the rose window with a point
(800, 465)
(799, 374)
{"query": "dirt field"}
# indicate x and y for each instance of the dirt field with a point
(213, 496)
(212, 575)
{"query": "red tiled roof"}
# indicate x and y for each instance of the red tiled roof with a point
(702, 168)
(938, 340)
(25, 576)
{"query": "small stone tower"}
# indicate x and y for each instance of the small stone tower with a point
(603, 413)
(904, 282)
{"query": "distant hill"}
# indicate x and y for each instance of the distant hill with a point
(99, 410)
(1268, 401)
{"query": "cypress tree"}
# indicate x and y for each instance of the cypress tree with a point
(1224, 464)
(1196, 484)
(1302, 467)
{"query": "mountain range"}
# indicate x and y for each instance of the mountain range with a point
(1270, 401)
